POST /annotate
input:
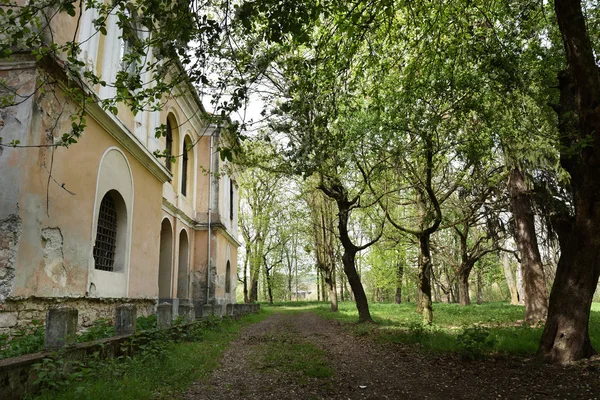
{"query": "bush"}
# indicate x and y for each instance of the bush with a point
(475, 341)
(24, 341)
(100, 329)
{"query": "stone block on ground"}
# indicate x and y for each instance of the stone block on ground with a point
(61, 327)
(164, 317)
(125, 319)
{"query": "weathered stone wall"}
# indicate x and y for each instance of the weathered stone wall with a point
(20, 312)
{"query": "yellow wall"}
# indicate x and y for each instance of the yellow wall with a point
(41, 273)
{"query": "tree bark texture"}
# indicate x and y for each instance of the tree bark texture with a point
(424, 278)
(463, 286)
(566, 336)
(510, 280)
(399, 276)
(479, 288)
(534, 281)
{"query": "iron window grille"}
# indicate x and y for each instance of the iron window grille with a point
(106, 235)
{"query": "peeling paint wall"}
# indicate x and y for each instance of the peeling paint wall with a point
(54, 261)
(10, 232)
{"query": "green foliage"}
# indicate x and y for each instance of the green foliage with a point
(25, 340)
(490, 327)
(100, 329)
(57, 372)
(165, 366)
(475, 341)
(286, 353)
(145, 323)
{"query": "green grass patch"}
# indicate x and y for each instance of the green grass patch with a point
(472, 331)
(161, 372)
(287, 353)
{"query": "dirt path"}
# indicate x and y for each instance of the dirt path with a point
(363, 369)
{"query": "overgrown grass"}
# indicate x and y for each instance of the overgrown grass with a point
(473, 331)
(287, 352)
(162, 372)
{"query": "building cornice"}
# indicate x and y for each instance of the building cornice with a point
(203, 226)
(128, 141)
(178, 213)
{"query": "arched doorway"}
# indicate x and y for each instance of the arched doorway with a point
(166, 260)
(182, 271)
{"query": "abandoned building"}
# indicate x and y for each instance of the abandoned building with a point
(105, 221)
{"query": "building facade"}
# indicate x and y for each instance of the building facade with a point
(105, 220)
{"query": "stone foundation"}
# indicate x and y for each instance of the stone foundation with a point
(20, 312)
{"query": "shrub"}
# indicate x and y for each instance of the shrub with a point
(475, 341)
(26, 340)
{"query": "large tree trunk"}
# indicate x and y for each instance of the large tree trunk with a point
(520, 287)
(318, 285)
(566, 337)
(337, 191)
(253, 287)
(424, 287)
(479, 288)
(510, 280)
(330, 280)
(246, 273)
(360, 297)
(534, 282)
(269, 288)
(399, 276)
(463, 286)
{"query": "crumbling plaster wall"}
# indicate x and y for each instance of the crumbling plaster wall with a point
(19, 76)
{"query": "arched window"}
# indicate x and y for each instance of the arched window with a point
(112, 225)
(184, 169)
(228, 277)
(106, 235)
(169, 145)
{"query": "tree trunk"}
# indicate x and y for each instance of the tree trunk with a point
(463, 286)
(269, 288)
(479, 288)
(520, 288)
(342, 286)
(424, 286)
(566, 336)
(534, 282)
(399, 276)
(330, 281)
(510, 280)
(360, 297)
(318, 285)
(246, 273)
(253, 288)
(324, 293)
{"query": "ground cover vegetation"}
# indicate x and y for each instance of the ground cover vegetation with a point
(166, 364)
(486, 330)
(435, 151)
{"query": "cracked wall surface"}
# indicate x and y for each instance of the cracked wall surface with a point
(54, 261)
(10, 233)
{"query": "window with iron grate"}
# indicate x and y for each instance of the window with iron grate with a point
(106, 235)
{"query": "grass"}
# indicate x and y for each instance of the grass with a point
(471, 331)
(163, 376)
(285, 353)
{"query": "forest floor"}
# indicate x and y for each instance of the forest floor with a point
(303, 356)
